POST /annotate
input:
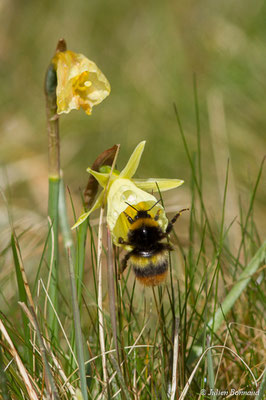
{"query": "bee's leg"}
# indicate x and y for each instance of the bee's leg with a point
(173, 220)
(130, 220)
(123, 265)
(167, 246)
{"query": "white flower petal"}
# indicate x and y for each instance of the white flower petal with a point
(85, 215)
(102, 178)
(133, 162)
(152, 184)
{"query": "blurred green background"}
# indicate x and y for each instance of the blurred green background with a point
(149, 51)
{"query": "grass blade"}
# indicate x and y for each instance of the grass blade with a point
(100, 298)
(22, 294)
(251, 206)
(3, 379)
(238, 288)
(79, 272)
(175, 359)
(111, 291)
(262, 388)
(188, 384)
(210, 368)
(50, 384)
(24, 373)
(120, 377)
(199, 189)
(78, 333)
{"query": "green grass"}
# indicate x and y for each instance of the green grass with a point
(125, 338)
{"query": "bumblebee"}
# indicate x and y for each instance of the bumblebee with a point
(149, 256)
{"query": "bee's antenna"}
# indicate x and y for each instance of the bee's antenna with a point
(131, 206)
(154, 205)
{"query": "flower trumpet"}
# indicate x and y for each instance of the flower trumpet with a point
(80, 83)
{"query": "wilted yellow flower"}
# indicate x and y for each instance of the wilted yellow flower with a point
(80, 83)
(124, 190)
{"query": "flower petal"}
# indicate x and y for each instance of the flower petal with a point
(85, 215)
(122, 194)
(102, 178)
(133, 162)
(152, 184)
(80, 83)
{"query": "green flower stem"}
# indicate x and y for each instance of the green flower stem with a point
(63, 221)
(80, 258)
(52, 123)
(54, 181)
(79, 272)
(53, 253)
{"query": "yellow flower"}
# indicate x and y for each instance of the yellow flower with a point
(80, 83)
(123, 191)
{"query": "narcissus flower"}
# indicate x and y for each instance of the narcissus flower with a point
(123, 191)
(80, 83)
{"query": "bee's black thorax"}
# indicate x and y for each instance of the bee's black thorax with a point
(145, 236)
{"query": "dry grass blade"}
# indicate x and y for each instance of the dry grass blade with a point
(131, 348)
(99, 265)
(78, 333)
(23, 273)
(262, 388)
(100, 298)
(175, 357)
(120, 377)
(111, 290)
(70, 388)
(59, 322)
(4, 392)
(24, 373)
(185, 390)
(50, 384)
(230, 326)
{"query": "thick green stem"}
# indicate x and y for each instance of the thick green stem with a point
(63, 221)
(79, 272)
(54, 180)
(80, 258)
(52, 123)
(53, 253)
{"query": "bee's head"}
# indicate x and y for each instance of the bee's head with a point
(141, 213)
